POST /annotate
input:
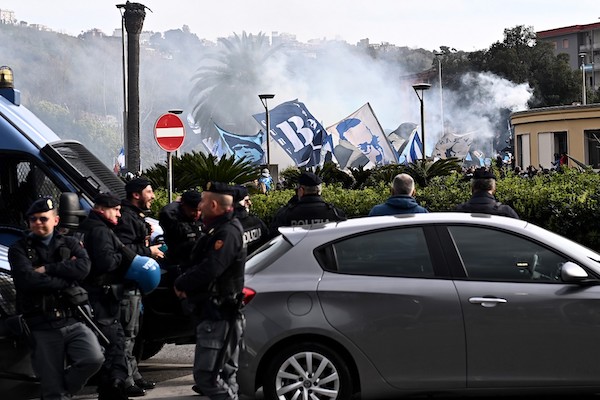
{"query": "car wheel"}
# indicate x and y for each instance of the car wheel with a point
(150, 349)
(307, 371)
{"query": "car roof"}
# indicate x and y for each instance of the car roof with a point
(360, 224)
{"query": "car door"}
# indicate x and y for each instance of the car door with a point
(524, 326)
(381, 291)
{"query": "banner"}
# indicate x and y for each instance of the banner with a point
(361, 130)
(214, 147)
(244, 147)
(413, 150)
(452, 145)
(296, 131)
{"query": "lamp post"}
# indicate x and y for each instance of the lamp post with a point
(439, 60)
(583, 94)
(121, 8)
(419, 89)
(263, 99)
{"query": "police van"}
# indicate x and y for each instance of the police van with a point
(35, 162)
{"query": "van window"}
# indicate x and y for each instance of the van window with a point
(21, 182)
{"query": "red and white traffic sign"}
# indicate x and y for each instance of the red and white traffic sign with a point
(169, 132)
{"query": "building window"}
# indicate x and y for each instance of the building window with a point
(592, 143)
(554, 45)
(565, 43)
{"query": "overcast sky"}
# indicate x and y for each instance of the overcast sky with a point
(462, 24)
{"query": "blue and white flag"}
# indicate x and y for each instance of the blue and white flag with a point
(362, 130)
(214, 147)
(244, 147)
(121, 158)
(452, 145)
(296, 131)
(413, 150)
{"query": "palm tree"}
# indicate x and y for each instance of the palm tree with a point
(226, 85)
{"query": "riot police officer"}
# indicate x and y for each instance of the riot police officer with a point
(310, 207)
(134, 232)
(47, 268)
(255, 230)
(483, 187)
(110, 260)
(213, 286)
(180, 221)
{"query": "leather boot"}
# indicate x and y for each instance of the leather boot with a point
(112, 391)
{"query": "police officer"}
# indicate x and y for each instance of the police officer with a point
(310, 208)
(181, 225)
(483, 187)
(110, 260)
(134, 232)
(46, 266)
(213, 285)
(255, 230)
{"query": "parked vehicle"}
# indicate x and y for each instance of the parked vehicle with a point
(35, 162)
(420, 304)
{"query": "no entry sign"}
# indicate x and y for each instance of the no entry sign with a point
(169, 132)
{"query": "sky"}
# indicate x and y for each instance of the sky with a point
(467, 25)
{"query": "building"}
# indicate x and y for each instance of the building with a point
(542, 132)
(582, 44)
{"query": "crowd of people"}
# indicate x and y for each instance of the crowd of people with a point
(207, 236)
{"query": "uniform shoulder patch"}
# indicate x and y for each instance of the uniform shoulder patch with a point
(218, 245)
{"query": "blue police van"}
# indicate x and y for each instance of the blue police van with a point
(35, 162)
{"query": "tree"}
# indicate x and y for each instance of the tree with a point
(227, 83)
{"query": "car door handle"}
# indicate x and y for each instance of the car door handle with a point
(486, 301)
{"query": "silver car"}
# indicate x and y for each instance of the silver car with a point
(420, 304)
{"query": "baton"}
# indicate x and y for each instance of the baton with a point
(93, 326)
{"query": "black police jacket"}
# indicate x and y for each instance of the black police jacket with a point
(133, 230)
(218, 261)
(66, 263)
(109, 259)
(310, 209)
(180, 233)
(255, 230)
(485, 203)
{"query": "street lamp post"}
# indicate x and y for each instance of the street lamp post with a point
(419, 89)
(121, 8)
(263, 99)
(439, 60)
(583, 94)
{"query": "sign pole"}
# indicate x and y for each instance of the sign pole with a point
(170, 175)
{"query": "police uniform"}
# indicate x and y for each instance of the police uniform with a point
(110, 260)
(484, 202)
(180, 231)
(213, 285)
(134, 232)
(255, 230)
(309, 209)
(66, 353)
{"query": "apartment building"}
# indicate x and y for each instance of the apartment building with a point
(582, 44)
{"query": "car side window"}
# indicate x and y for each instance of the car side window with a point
(497, 255)
(398, 252)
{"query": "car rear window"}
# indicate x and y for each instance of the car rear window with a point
(267, 254)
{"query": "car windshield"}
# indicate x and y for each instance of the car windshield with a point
(267, 254)
(568, 243)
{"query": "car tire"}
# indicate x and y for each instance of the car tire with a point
(150, 349)
(307, 370)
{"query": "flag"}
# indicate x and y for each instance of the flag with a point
(119, 162)
(214, 147)
(244, 147)
(452, 145)
(361, 130)
(296, 131)
(413, 150)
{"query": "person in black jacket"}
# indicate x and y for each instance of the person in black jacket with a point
(45, 267)
(483, 187)
(181, 225)
(213, 286)
(134, 232)
(110, 260)
(310, 207)
(255, 230)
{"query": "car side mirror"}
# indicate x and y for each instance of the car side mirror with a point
(70, 210)
(573, 273)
